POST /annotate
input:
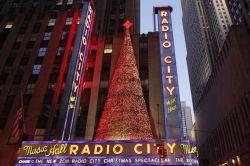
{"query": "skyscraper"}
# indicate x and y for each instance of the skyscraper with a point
(206, 24)
(219, 19)
(187, 121)
(239, 11)
(198, 60)
(222, 111)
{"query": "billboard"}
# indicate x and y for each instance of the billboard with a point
(171, 103)
(71, 95)
(132, 152)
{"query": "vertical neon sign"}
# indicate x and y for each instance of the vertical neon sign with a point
(77, 63)
(171, 103)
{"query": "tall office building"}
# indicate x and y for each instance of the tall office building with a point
(205, 34)
(199, 62)
(239, 11)
(223, 112)
(219, 19)
(187, 121)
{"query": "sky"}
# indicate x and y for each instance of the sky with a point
(179, 41)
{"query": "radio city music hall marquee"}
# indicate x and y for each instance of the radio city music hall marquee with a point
(107, 152)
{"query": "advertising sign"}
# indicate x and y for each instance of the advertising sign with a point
(171, 103)
(76, 69)
(132, 152)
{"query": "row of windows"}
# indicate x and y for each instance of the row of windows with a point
(231, 132)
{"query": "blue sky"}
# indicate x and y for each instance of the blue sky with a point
(179, 40)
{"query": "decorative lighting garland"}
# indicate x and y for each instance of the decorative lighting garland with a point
(125, 115)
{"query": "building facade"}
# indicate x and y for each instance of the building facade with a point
(198, 60)
(222, 113)
(222, 117)
(187, 121)
(205, 34)
(219, 19)
(37, 40)
(239, 11)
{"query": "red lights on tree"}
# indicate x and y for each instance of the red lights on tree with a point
(125, 115)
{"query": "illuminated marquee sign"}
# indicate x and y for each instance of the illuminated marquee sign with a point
(107, 152)
(77, 67)
(172, 108)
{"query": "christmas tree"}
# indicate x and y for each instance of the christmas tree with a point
(125, 115)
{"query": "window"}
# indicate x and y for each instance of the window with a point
(3, 78)
(59, 2)
(23, 28)
(65, 35)
(39, 60)
(42, 51)
(16, 45)
(30, 44)
(108, 49)
(53, 78)
(33, 78)
(49, 28)
(8, 104)
(69, 21)
(44, 43)
(52, 22)
(9, 25)
(47, 36)
(9, 61)
(36, 69)
(60, 51)
(36, 27)
(18, 77)
(70, 2)
(30, 88)
(26, 99)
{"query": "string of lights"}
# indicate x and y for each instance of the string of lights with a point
(125, 115)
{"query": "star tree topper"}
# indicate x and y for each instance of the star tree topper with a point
(127, 24)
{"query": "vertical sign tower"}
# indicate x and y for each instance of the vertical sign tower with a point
(171, 101)
(70, 103)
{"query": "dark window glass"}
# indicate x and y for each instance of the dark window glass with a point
(26, 99)
(16, 45)
(42, 121)
(9, 61)
(28, 16)
(22, 9)
(30, 44)
(39, 60)
(18, 78)
(23, 28)
(3, 36)
(48, 97)
(40, 16)
(33, 78)
(36, 27)
(44, 43)
(2, 122)
(53, 78)
(24, 61)
(49, 28)
(3, 78)
(8, 104)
